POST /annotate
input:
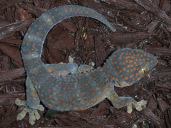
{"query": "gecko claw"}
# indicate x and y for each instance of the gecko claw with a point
(33, 113)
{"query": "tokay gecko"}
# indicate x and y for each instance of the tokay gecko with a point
(62, 86)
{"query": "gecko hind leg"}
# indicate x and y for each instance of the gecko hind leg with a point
(31, 105)
(122, 101)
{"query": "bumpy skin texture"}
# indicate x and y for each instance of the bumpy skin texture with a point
(61, 86)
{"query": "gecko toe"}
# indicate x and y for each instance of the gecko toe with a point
(33, 113)
(140, 105)
(129, 108)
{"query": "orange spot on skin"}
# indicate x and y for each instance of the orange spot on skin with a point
(49, 70)
(77, 94)
(54, 73)
(49, 90)
(137, 74)
(83, 94)
(111, 62)
(124, 69)
(65, 10)
(133, 57)
(33, 93)
(131, 76)
(92, 104)
(34, 98)
(49, 105)
(81, 108)
(49, 96)
(112, 77)
(41, 95)
(59, 101)
(76, 86)
(93, 11)
(86, 12)
(70, 106)
(120, 63)
(121, 75)
(67, 101)
(64, 71)
(130, 61)
(114, 68)
(82, 101)
(122, 84)
(76, 108)
(73, 102)
(59, 86)
(126, 78)
(127, 84)
(93, 78)
(70, 9)
(33, 53)
(135, 63)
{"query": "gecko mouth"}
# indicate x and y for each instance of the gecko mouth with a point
(150, 75)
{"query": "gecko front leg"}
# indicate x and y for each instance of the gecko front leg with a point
(122, 101)
(31, 105)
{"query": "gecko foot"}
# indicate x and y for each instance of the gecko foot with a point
(138, 105)
(33, 113)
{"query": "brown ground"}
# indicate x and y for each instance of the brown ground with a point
(142, 24)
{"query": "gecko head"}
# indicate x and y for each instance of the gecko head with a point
(130, 65)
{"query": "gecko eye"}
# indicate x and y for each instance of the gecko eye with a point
(143, 71)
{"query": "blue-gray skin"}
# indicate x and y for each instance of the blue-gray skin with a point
(61, 86)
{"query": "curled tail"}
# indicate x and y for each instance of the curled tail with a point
(32, 45)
